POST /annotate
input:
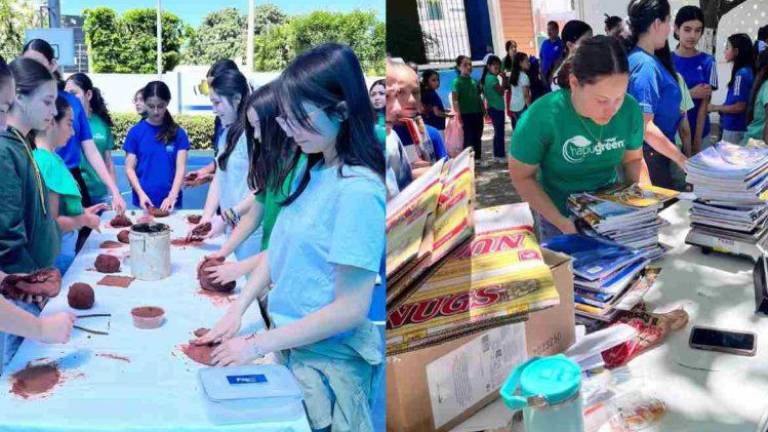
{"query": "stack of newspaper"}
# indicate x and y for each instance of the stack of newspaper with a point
(627, 215)
(731, 186)
(608, 277)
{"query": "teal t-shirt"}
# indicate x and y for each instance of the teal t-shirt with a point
(494, 98)
(574, 153)
(58, 179)
(755, 127)
(102, 136)
(468, 93)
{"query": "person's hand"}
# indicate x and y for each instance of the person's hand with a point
(56, 328)
(227, 272)
(226, 328)
(90, 220)
(168, 203)
(566, 226)
(701, 91)
(118, 203)
(198, 178)
(421, 164)
(681, 161)
(145, 202)
(203, 220)
(236, 351)
(218, 227)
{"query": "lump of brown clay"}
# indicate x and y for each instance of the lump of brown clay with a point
(191, 176)
(46, 282)
(205, 278)
(107, 264)
(199, 353)
(201, 331)
(123, 236)
(81, 296)
(194, 219)
(34, 380)
(156, 212)
(120, 221)
(147, 311)
(201, 231)
(110, 244)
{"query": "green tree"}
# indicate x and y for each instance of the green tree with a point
(128, 44)
(360, 30)
(16, 16)
(221, 34)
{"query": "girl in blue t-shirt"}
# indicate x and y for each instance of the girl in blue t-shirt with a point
(733, 113)
(156, 153)
(699, 71)
(326, 247)
(653, 83)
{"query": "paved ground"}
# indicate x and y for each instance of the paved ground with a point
(492, 183)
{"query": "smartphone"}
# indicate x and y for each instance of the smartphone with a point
(732, 342)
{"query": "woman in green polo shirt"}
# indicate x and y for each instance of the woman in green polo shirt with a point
(63, 192)
(493, 82)
(576, 138)
(468, 105)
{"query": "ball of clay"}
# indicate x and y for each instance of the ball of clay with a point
(191, 176)
(194, 219)
(121, 221)
(107, 264)
(201, 230)
(81, 296)
(205, 278)
(123, 236)
(46, 282)
(201, 331)
(156, 212)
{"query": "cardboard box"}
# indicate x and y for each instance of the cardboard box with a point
(437, 388)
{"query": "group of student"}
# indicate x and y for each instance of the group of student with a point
(298, 181)
(628, 108)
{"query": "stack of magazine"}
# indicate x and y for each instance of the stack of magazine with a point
(731, 186)
(627, 215)
(608, 277)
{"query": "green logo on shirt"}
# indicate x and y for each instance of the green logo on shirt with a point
(578, 148)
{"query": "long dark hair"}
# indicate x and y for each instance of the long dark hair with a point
(745, 57)
(688, 13)
(329, 76)
(229, 84)
(642, 14)
(168, 128)
(28, 75)
(274, 155)
(459, 60)
(762, 76)
(426, 75)
(507, 62)
(5, 72)
(517, 67)
(492, 59)
(612, 21)
(220, 66)
(97, 104)
(573, 30)
(42, 46)
(596, 57)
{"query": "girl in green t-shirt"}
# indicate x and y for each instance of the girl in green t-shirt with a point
(574, 139)
(468, 104)
(101, 128)
(493, 82)
(63, 193)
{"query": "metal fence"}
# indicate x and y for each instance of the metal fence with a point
(444, 29)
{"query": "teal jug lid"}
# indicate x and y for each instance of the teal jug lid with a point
(555, 378)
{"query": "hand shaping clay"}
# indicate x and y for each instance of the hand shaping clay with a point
(201, 230)
(205, 278)
(45, 282)
(120, 221)
(156, 212)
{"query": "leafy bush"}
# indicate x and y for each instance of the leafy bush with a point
(199, 128)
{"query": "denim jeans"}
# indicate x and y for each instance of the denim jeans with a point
(497, 117)
(473, 132)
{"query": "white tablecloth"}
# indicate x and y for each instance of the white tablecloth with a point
(703, 391)
(159, 389)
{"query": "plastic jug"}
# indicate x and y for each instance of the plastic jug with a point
(548, 391)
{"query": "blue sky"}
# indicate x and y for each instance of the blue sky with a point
(193, 11)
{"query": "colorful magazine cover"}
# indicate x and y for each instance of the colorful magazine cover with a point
(637, 196)
(593, 258)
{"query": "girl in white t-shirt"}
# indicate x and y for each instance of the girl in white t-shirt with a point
(519, 87)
